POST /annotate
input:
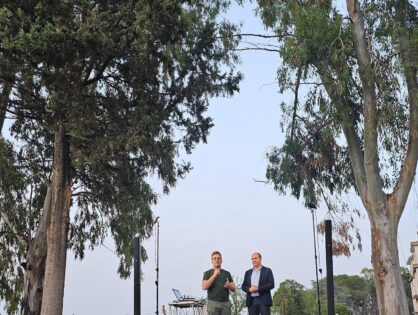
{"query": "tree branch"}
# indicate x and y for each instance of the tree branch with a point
(353, 141)
(371, 165)
(256, 48)
(99, 74)
(278, 36)
(295, 104)
(4, 100)
(407, 174)
(13, 228)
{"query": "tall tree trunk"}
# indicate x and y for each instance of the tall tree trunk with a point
(35, 264)
(390, 290)
(384, 212)
(57, 234)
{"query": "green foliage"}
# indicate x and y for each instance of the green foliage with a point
(406, 276)
(341, 309)
(353, 295)
(311, 149)
(319, 65)
(12, 240)
(292, 298)
(342, 292)
(238, 298)
(356, 292)
(131, 82)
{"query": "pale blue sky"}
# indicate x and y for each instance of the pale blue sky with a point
(220, 207)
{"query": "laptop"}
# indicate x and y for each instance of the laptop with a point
(181, 297)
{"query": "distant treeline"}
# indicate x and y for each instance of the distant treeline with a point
(354, 295)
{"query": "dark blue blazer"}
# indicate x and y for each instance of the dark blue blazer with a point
(264, 286)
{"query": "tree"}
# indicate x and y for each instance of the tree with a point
(102, 95)
(353, 124)
(292, 298)
(357, 293)
(406, 276)
(238, 298)
(341, 309)
(12, 242)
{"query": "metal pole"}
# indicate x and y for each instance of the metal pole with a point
(157, 269)
(316, 262)
(137, 275)
(330, 273)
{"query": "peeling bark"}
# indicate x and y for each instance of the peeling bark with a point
(385, 260)
(384, 211)
(57, 233)
(35, 264)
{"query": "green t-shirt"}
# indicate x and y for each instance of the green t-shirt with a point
(216, 291)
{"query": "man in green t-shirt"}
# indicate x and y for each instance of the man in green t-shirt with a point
(218, 282)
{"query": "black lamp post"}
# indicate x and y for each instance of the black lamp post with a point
(157, 255)
(137, 275)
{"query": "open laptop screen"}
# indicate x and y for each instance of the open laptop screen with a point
(178, 295)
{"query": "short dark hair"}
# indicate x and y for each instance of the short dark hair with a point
(216, 253)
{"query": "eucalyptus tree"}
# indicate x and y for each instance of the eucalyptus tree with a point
(353, 123)
(102, 96)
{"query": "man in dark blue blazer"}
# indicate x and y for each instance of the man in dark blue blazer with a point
(258, 282)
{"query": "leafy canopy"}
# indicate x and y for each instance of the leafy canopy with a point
(320, 67)
(131, 81)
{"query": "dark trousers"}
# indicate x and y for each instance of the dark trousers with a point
(258, 308)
